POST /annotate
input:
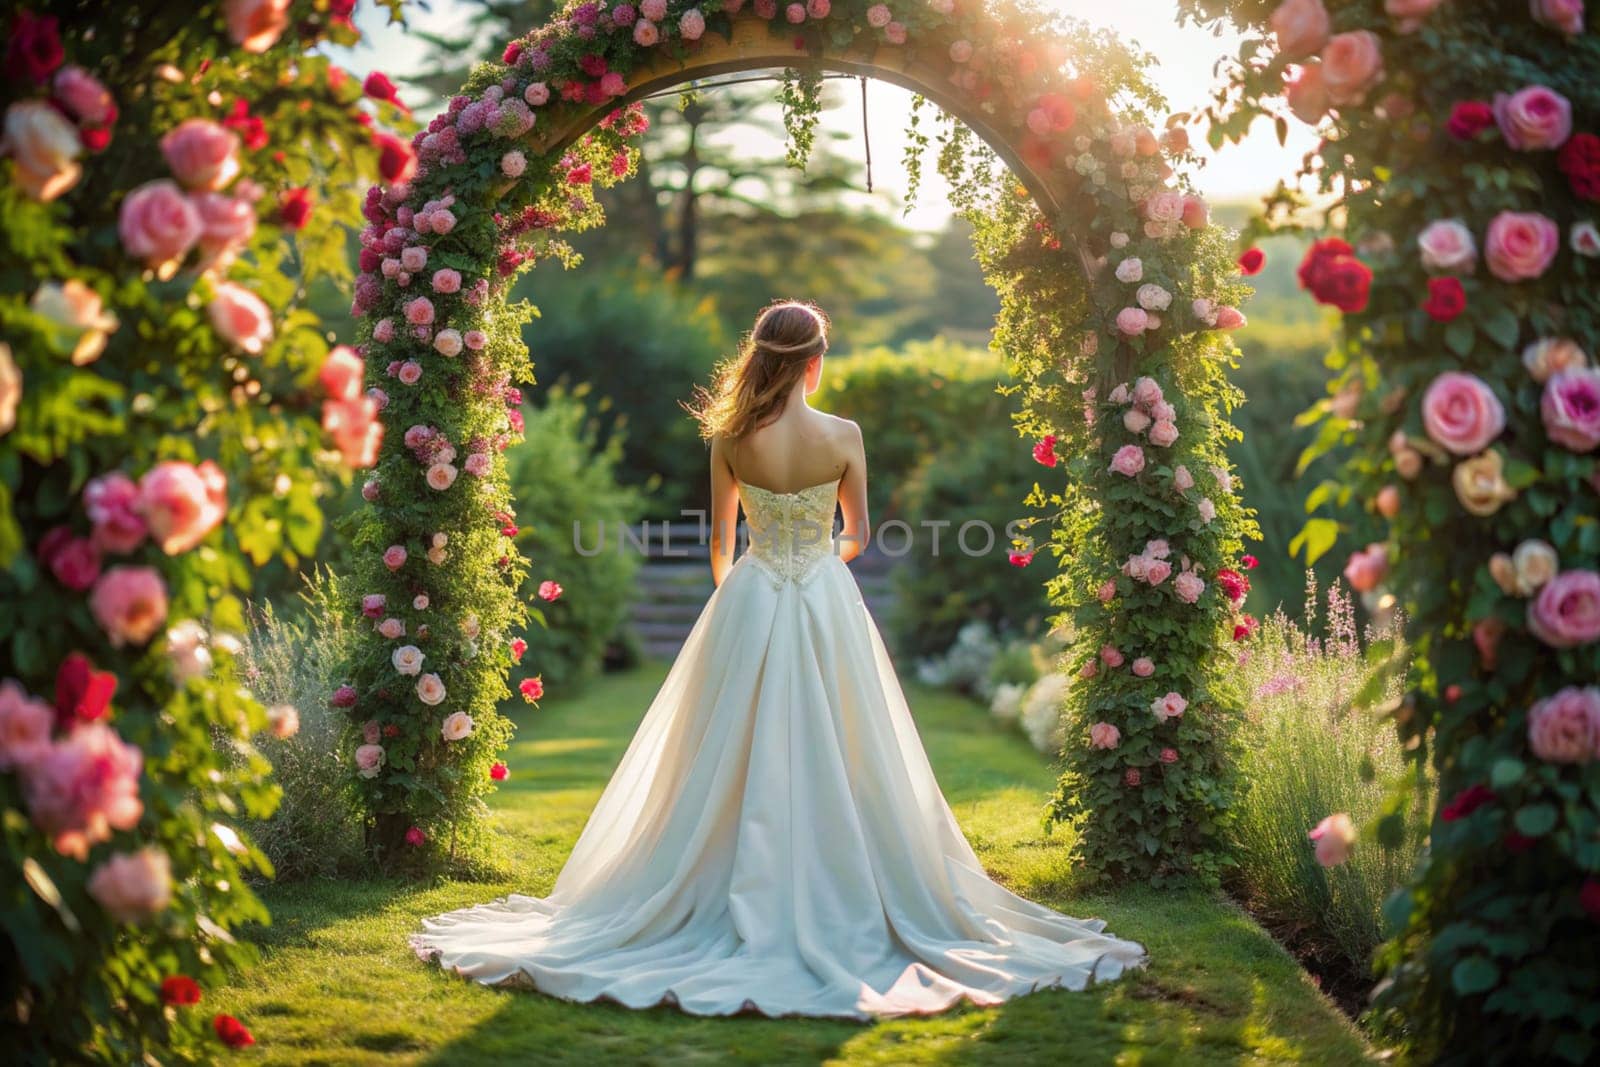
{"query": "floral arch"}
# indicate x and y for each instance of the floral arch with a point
(1116, 297)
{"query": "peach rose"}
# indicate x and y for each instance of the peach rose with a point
(1533, 564)
(1447, 245)
(1144, 667)
(1128, 461)
(1189, 586)
(1534, 118)
(1164, 434)
(10, 389)
(158, 224)
(1367, 568)
(1461, 413)
(442, 476)
(369, 760)
(1565, 727)
(1182, 479)
(240, 317)
(130, 604)
(1551, 355)
(1301, 27)
(45, 147)
(178, 506)
(255, 25)
(457, 726)
(76, 309)
(1521, 245)
(407, 659)
(1388, 501)
(1480, 484)
(1111, 656)
(1104, 735)
(201, 154)
(1132, 321)
(132, 886)
(1504, 572)
(1307, 93)
(1352, 63)
(1410, 13)
(430, 690)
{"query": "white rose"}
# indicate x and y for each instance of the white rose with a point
(1586, 239)
(1535, 563)
(1551, 355)
(186, 648)
(78, 309)
(1154, 298)
(457, 726)
(1130, 270)
(1207, 509)
(407, 659)
(430, 690)
(1119, 240)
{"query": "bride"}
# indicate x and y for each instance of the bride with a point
(774, 839)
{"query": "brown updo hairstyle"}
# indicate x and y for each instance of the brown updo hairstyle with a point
(749, 388)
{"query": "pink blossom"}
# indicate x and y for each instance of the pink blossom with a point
(1352, 63)
(1301, 27)
(1566, 613)
(645, 33)
(1104, 735)
(85, 786)
(1230, 319)
(372, 605)
(1182, 479)
(895, 33)
(442, 220)
(441, 476)
(369, 760)
(202, 154)
(1563, 15)
(112, 503)
(84, 97)
(419, 312)
(240, 317)
(419, 435)
(383, 331)
(1520, 246)
(1447, 245)
(961, 51)
(226, 225)
(691, 24)
(1533, 118)
(1206, 509)
(536, 94)
(1333, 836)
(1367, 568)
(343, 697)
(255, 25)
(1570, 408)
(879, 16)
(1135, 421)
(133, 886)
(1144, 667)
(1188, 586)
(1107, 592)
(1132, 321)
(477, 464)
(158, 224)
(413, 258)
(475, 340)
(1461, 414)
(44, 147)
(25, 727)
(1171, 706)
(1164, 434)
(513, 163)
(1169, 756)
(1129, 460)
(448, 343)
(1110, 656)
(446, 281)
(1565, 727)
(182, 503)
(392, 628)
(410, 372)
(1157, 571)
(394, 557)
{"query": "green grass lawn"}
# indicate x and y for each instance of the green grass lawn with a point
(337, 984)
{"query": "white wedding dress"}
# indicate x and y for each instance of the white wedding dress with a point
(774, 839)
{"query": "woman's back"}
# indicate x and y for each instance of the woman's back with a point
(799, 449)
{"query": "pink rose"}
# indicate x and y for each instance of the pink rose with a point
(1195, 213)
(1307, 93)
(132, 886)
(446, 281)
(536, 94)
(392, 628)
(179, 506)
(202, 154)
(1563, 15)
(1144, 667)
(158, 224)
(1565, 728)
(413, 258)
(419, 312)
(1129, 460)
(1534, 118)
(475, 340)
(45, 147)
(1301, 27)
(394, 557)
(383, 331)
(1135, 421)
(1107, 592)
(371, 490)
(1169, 755)
(240, 317)
(1157, 571)
(1171, 706)
(226, 225)
(1182, 479)
(83, 787)
(1410, 13)
(369, 760)
(1188, 586)
(84, 97)
(448, 343)
(1333, 837)
(343, 697)
(1110, 656)
(1104, 735)
(410, 372)
(895, 32)
(1132, 321)
(372, 605)
(1164, 434)
(1147, 392)
(1520, 246)
(1460, 413)
(645, 33)
(692, 24)
(477, 464)
(441, 476)
(1570, 408)
(1566, 613)
(1165, 206)
(1367, 568)
(25, 727)
(112, 503)
(76, 563)
(1352, 63)
(1447, 245)
(371, 731)
(255, 25)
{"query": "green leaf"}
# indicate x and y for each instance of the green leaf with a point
(1506, 772)
(1459, 337)
(1317, 536)
(1536, 820)
(1474, 975)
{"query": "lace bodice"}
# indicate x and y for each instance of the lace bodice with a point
(789, 532)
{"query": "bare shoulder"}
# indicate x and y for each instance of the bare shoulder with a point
(843, 430)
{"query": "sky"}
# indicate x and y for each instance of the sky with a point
(1184, 75)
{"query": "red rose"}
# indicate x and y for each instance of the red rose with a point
(580, 175)
(1021, 559)
(1251, 260)
(379, 87)
(391, 730)
(294, 210)
(1446, 299)
(1469, 118)
(499, 772)
(1233, 584)
(415, 837)
(1334, 276)
(532, 688)
(232, 1032)
(1589, 897)
(592, 64)
(396, 161)
(1249, 563)
(251, 130)
(1244, 627)
(1466, 802)
(82, 693)
(518, 647)
(512, 53)
(1517, 844)
(180, 990)
(34, 50)
(76, 563)
(1580, 162)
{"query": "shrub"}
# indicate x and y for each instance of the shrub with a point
(287, 661)
(1309, 752)
(563, 475)
(645, 343)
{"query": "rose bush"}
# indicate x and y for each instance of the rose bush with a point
(159, 443)
(1473, 434)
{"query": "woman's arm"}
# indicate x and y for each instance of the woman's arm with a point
(853, 497)
(724, 511)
